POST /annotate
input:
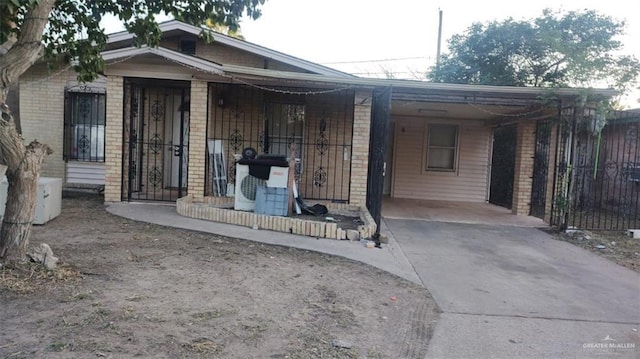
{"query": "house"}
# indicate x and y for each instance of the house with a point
(167, 123)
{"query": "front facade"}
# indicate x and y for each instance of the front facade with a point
(170, 122)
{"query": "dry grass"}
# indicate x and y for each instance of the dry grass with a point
(29, 277)
(613, 245)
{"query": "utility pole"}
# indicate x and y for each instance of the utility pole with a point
(439, 40)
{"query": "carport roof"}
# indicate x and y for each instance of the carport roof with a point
(416, 87)
(409, 90)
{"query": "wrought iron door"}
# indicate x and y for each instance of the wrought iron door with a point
(503, 160)
(540, 169)
(156, 141)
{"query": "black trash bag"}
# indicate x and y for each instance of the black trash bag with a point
(316, 209)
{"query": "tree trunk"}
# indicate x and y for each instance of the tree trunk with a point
(22, 163)
(22, 174)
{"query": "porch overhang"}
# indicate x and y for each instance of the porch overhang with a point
(417, 88)
(492, 104)
(114, 57)
(174, 27)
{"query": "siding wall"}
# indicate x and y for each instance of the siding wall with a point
(228, 55)
(411, 181)
(89, 173)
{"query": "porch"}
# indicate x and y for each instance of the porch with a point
(456, 212)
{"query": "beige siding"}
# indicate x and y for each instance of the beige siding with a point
(85, 173)
(223, 54)
(412, 181)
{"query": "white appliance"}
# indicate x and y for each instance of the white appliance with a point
(218, 164)
(48, 199)
(278, 177)
(246, 186)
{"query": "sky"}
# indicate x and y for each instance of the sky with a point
(369, 37)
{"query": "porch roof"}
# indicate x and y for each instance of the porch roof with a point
(176, 27)
(171, 55)
(415, 86)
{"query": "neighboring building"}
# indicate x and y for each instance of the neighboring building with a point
(166, 122)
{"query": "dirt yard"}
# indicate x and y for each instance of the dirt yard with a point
(613, 245)
(128, 289)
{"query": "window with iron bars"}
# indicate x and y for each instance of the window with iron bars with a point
(85, 121)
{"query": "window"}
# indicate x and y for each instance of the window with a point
(284, 125)
(85, 120)
(188, 46)
(442, 144)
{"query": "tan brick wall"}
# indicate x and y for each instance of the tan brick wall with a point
(42, 114)
(205, 208)
(522, 182)
(197, 138)
(360, 149)
(113, 140)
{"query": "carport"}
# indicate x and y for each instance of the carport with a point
(455, 212)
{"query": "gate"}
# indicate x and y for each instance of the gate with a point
(598, 174)
(540, 169)
(503, 160)
(380, 119)
(156, 141)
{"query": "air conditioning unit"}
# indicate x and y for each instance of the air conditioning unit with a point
(246, 187)
(48, 199)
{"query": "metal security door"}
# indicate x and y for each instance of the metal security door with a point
(503, 160)
(156, 140)
(540, 169)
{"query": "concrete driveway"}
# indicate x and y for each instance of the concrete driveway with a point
(515, 292)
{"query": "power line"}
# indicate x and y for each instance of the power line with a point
(378, 60)
(384, 73)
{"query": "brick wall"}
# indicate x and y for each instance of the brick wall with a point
(42, 114)
(203, 208)
(113, 140)
(522, 182)
(197, 138)
(360, 149)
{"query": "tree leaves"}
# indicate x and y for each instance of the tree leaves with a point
(576, 48)
(74, 32)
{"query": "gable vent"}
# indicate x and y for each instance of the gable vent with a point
(188, 46)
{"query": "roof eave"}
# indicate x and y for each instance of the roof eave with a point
(172, 25)
(409, 85)
(175, 56)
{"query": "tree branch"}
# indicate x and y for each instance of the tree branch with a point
(26, 50)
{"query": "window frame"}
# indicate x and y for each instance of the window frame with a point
(427, 146)
(70, 123)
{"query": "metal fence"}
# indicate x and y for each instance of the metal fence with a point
(597, 173)
(319, 126)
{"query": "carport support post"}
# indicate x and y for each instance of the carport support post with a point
(523, 174)
(380, 119)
